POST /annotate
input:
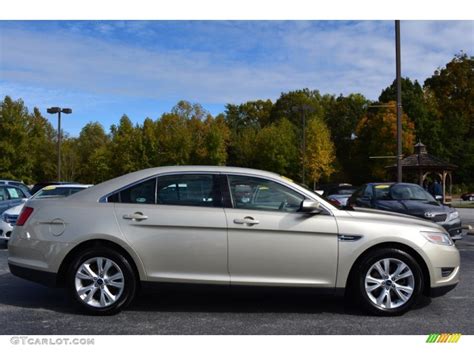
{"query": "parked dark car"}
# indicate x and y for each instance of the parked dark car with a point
(42, 184)
(408, 199)
(468, 196)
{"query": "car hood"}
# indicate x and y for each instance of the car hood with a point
(390, 217)
(413, 207)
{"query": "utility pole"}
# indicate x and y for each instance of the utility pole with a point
(399, 101)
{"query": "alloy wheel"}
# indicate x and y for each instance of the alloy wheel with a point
(389, 283)
(99, 282)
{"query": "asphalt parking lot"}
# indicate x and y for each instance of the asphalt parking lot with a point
(27, 308)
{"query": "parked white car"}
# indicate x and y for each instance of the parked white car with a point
(8, 218)
(226, 226)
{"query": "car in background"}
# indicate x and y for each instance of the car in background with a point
(12, 195)
(8, 218)
(338, 194)
(226, 226)
(409, 199)
(468, 196)
(19, 184)
(38, 186)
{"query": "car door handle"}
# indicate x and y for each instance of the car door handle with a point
(247, 220)
(137, 216)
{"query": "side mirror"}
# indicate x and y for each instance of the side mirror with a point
(308, 206)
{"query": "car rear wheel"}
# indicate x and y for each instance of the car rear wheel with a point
(101, 281)
(389, 282)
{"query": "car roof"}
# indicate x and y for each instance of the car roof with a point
(97, 191)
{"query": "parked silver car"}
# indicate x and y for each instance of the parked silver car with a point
(226, 226)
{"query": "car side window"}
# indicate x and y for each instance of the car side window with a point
(3, 194)
(368, 193)
(189, 190)
(260, 194)
(141, 193)
(15, 193)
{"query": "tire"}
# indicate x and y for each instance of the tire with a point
(385, 294)
(103, 291)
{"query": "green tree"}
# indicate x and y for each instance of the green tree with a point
(124, 147)
(294, 104)
(15, 154)
(276, 148)
(92, 154)
(342, 115)
(451, 91)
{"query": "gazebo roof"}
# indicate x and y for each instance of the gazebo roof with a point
(422, 160)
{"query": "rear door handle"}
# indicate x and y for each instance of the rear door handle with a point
(137, 216)
(247, 220)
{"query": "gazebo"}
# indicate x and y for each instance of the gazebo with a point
(421, 164)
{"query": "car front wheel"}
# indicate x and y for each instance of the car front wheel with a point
(389, 282)
(101, 281)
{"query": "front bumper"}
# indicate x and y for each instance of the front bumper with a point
(441, 290)
(454, 228)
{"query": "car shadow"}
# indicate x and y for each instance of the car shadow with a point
(24, 294)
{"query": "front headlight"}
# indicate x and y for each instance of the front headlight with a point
(453, 215)
(3, 217)
(438, 238)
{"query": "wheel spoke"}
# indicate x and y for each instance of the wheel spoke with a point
(86, 289)
(400, 268)
(100, 266)
(386, 266)
(404, 275)
(89, 296)
(406, 289)
(400, 295)
(381, 297)
(88, 270)
(108, 265)
(380, 269)
(388, 299)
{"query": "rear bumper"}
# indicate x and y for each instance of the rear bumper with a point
(42, 277)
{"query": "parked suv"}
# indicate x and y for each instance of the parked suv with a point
(226, 226)
(11, 195)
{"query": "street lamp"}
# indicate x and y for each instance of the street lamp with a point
(58, 110)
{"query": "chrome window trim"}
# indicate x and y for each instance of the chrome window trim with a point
(301, 191)
(104, 198)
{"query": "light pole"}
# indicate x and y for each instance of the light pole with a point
(303, 109)
(399, 101)
(58, 110)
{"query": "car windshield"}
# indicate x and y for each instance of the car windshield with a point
(402, 192)
(56, 192)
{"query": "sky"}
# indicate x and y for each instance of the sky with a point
(104, 69)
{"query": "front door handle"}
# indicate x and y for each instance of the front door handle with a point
(247, 220)
(137, 216)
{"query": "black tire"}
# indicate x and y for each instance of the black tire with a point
(129, 281)
(367, 262)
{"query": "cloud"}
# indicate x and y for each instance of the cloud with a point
(220, 62)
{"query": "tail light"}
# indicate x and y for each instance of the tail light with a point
(24, 215)
(335, 202)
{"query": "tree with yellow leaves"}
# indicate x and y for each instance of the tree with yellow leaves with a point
(320, 154)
